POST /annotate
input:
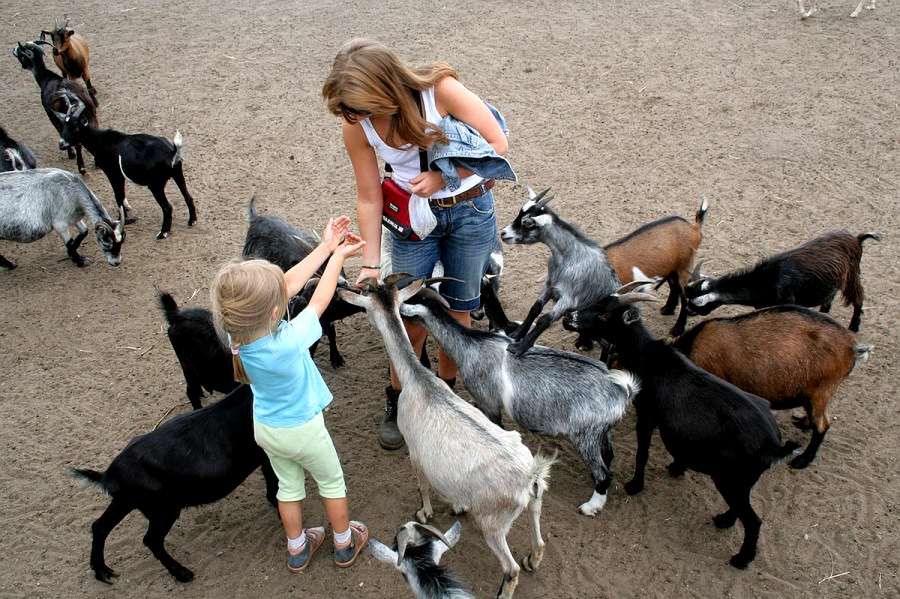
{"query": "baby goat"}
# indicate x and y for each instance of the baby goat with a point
(707, 424)
(788, 355)
(34, 202)
(274, 239)
(417, 553)
(71, 54)
(578, 273)
(808, 275)
(547, 391)
(190, 460)
(14, 156)
(664, 248)
(145, 160)
(31, 57)
(453, 447)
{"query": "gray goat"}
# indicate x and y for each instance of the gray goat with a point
(417, 553)
(453, 447)
(35, 201)
(578, 273)
(547, 391)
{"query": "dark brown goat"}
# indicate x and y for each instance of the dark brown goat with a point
(789, 355)
(71, 54)
(664, 248)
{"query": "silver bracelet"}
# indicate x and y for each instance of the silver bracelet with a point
(375, 267)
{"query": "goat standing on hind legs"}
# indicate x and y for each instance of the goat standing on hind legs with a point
(71, 54)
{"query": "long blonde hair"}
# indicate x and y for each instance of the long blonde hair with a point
(368, 79)
(248, 297)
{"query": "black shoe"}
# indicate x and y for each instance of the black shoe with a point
(389, 436)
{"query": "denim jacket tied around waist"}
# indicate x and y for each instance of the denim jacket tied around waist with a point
(466, 148)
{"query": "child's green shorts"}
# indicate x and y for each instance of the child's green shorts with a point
(296, 449)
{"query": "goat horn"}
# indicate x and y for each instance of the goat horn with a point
(121, 224)
(431, 530)
(635, 284)
(312, 282)
(695, 274)
(392, 279)
(636, 296)
(42, 41)
(434, 280)
(541, 199)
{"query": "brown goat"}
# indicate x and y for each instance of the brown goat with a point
(789, 355)
(71, 54)
(664, 248)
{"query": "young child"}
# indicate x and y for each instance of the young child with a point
(249, 299)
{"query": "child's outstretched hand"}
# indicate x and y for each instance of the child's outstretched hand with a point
(335, 231)
(351, 246)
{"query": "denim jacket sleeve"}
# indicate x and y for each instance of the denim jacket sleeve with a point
(466, 148)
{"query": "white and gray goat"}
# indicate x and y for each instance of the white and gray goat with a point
(547, 391)
(34, 202)
(417, 553)
(578, 273)
(468, 460)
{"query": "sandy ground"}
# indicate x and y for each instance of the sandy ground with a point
(629, 110)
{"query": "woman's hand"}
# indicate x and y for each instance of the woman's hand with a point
(351, 246)
(335, 231)
(427, 184)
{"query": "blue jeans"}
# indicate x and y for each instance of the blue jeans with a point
(462, 240)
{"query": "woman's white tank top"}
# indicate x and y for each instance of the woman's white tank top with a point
(405, 161)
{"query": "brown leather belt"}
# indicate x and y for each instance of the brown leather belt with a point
(477, 191)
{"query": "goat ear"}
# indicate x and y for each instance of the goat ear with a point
(631, 316)
(382, 552)
(452, 538)
(357, 299)
(393, 279)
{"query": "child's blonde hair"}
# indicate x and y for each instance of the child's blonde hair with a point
(248, 298)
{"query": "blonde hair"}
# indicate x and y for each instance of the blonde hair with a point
(368, 79)
(248, 298)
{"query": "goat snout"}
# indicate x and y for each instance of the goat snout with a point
(508, 235)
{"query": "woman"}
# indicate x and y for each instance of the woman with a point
(382, 102)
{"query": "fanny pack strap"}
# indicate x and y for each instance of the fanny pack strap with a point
(423, 155)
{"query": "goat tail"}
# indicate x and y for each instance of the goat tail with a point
(869, 235)
(169, 306)
(701, 212)
(540, 473)
(178, 140)
(87, 475)
(251, 209)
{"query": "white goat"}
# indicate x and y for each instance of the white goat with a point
(453, 447)
(805, 14)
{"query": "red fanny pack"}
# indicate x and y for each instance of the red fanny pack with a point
(395, 210)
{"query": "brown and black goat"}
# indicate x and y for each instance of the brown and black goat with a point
(789, 355)
(71, 54)
(664, 248)
(808, 275)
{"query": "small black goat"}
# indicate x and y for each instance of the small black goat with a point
(417, 552)
(145, 160)
(274, 239)
(31, 57)
(14, 155)
(707, 424)
(191, 460)
(808, 275)
(578, 273)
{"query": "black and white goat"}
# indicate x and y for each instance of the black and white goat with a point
(578, 273)
(707, 424)
(31, 57)
(191, 460)
(145, 160)
(808, 275)
(468, 460)
(284, 245)
(416, 553)
(547, 391)
(34, 202)
(14, 155)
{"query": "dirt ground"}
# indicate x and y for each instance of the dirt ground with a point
(630, 110)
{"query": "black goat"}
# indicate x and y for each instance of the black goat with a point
(808, 275)
(14, 156)
(31, 57)
(191, 460)
(145, 160)
(707, 424)
(282, 244)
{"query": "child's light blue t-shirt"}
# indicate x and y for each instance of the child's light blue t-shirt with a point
(287, 387)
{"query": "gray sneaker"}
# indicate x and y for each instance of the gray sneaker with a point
(297, 562)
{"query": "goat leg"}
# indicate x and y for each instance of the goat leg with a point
(159, 194)
(161, 522)
(532, 314)
(674, 293)
(270, 478)
(532, 561)
(100, 529)
(4, 263)
(818, 417)
(496, 541)
(426, 512)
(178, 177)
(334, 356)
(644, 435)
(523, 345)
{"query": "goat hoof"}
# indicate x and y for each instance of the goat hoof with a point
(130, 220)
(458, 510)
(740, 561)
(724, 520)
(182, 574)
(162, 235)
(104, 574)
(81, 262)
(801, 422)
(530, 563)
(423, 515)
(800, 462)
(676, 470)
(633, 487)
(337, 362)
(667, 311)
(82, 171)
(517, 348)
(191, 221)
